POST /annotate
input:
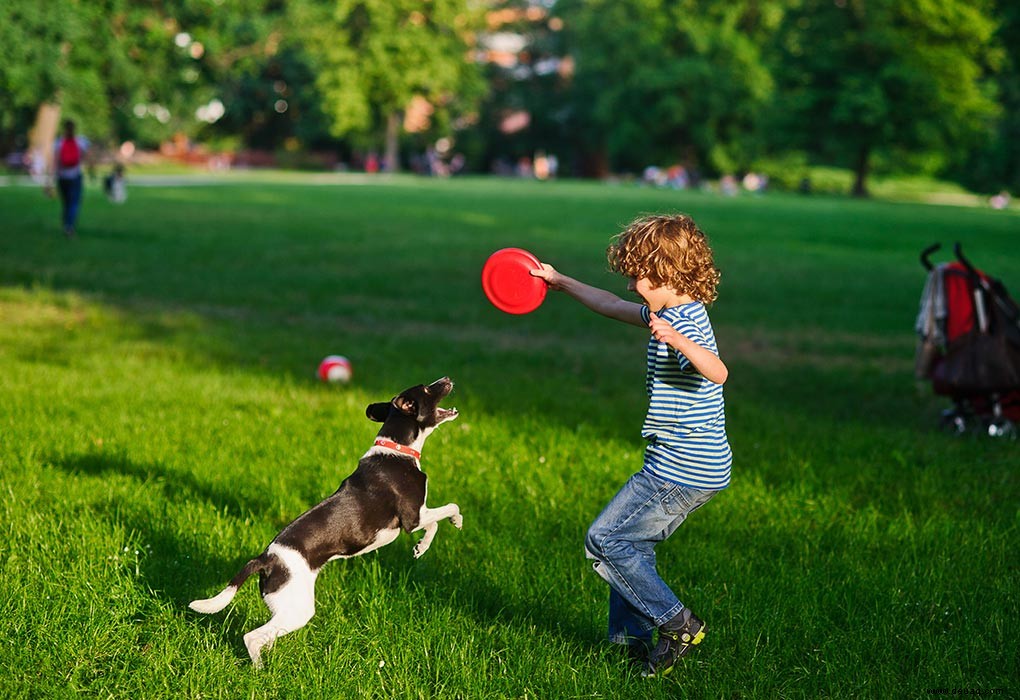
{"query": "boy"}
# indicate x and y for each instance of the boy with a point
(669, 265)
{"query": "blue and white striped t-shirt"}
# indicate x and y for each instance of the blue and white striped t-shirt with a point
(686, 422)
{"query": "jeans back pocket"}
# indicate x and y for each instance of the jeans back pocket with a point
(683, 500)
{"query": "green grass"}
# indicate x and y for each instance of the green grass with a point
(160, 421)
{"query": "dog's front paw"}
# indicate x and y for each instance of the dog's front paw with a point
(420, 549)
(457, 520)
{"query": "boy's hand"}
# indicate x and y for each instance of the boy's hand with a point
(548, 273)
(704, 360)
(662, 331)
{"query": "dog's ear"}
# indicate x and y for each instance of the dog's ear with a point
(406, 405)
(378, 412)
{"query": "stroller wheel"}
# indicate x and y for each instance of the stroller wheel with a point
(953, 421)
(1002, 428)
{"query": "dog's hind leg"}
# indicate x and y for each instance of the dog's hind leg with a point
(292, 603)
(428, 520)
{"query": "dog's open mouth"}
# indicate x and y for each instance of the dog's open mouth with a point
(446, 413)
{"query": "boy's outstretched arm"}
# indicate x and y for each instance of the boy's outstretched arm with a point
(598, 300)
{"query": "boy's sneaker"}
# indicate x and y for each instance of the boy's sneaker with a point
(676, 638)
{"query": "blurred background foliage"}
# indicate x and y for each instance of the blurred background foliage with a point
(602, 86)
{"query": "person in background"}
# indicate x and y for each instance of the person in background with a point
(115, 186)
(68, 154)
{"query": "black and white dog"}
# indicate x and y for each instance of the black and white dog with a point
(384, 495)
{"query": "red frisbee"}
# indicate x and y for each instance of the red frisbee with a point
(509, 284)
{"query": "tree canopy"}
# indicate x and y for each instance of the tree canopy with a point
(906, 78)
(659, 79)
(372, 58)
(611, 85)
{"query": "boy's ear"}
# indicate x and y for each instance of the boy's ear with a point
(406, 405)
(378, 412)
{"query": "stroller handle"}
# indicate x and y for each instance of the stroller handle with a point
(958, 250)
(927, 252)
(978, 279)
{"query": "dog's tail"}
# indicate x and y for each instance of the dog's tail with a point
(220, 601)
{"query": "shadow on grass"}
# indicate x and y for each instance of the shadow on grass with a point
(174, 568)
(172, 486)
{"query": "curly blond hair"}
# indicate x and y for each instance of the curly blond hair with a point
(667, 250)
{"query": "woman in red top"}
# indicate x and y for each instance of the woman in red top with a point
(67, 157)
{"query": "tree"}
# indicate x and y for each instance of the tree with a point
(170, 62)
(125, 68)
(49, 55)
(899, 77)
(373, 57)
(996, 165)
(273, 102)
(667, 80)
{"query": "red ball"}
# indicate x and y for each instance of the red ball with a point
(335, 368)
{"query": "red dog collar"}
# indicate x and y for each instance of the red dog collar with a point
(403, 449)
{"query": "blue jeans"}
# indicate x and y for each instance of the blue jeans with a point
(70, 196)
(621, 542)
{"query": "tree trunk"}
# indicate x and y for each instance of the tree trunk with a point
(594, 163)
(42, 136)
(861, 171)
(391, 158)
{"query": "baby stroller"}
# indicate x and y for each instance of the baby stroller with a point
(969, 346)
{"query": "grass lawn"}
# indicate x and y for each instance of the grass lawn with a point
(160, 422)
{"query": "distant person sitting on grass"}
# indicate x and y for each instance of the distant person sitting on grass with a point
(68, 153)
(114, 185)
(687, 460)
(1000, 201)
